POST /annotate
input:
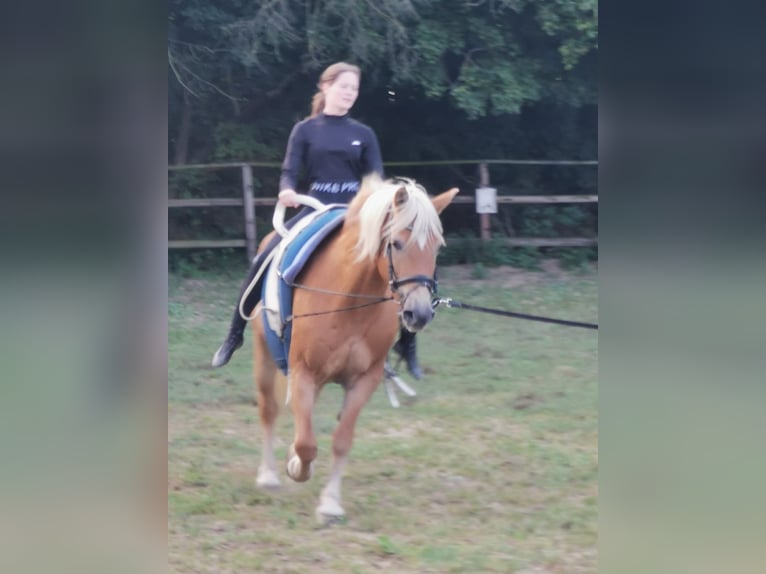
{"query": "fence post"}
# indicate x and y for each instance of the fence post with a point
(484, 217)
(247, 193)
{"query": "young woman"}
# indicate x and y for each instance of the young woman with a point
(335, 152)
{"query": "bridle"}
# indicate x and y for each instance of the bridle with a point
(395, 283)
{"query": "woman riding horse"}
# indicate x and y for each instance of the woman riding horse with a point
(336, 152)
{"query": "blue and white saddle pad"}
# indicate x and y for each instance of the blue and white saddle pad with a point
(291, 256)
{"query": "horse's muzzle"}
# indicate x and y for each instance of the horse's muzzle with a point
(417, 317)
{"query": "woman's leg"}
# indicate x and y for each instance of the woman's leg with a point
(235, 335)
(406, 349)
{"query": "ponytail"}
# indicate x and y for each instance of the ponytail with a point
(317, 104)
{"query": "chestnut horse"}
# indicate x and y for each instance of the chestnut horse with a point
(386, 248)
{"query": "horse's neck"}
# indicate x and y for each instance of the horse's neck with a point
(354, 276)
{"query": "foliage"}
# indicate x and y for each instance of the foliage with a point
(226, 262)
(235, 141)
(491, 58)
(246, 61)
(525, 258)
(442, 80)
(576, 259)
(554, 221)
(479, 271)
(230, 262)
(187, 184)
(467, 249)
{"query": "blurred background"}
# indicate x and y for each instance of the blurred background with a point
(445, 84)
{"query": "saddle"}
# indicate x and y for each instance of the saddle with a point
(290, 257)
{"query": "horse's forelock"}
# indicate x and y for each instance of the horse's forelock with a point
(378, 218)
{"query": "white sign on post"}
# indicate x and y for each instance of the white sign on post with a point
(486, 200)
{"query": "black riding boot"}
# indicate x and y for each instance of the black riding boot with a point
(406, 349)
(234, 338)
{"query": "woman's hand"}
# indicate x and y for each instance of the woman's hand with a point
(287, 197)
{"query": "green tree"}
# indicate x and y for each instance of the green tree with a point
(442, 78)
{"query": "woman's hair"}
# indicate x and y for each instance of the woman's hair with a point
(330, 75)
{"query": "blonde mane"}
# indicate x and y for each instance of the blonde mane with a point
(379, 220)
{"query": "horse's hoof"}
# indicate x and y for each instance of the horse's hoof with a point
(329, 512)
(297, 471)
(267, 479)
(329, 519)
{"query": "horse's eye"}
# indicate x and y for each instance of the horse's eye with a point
(398, 245)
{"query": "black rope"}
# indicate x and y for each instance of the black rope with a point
(459, 305)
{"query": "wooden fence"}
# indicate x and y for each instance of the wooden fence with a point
(249, 203)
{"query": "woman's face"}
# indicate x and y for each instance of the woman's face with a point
(340, 95)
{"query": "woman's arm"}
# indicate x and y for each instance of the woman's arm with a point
(291, 166)
(294, 157)
(373, 161)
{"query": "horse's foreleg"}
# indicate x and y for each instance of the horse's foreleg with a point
(356, 397)
(265, 376)
(303, 451)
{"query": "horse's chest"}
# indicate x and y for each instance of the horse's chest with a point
(351, 357)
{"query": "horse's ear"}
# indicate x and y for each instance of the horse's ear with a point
(444, 199)
(401, 197)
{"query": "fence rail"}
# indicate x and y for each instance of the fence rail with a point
(509, 241)
(249, 203)
(398, 163)
(236, 202)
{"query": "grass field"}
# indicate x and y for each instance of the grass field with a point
(492, 468)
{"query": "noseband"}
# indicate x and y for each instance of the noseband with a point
(421, 280)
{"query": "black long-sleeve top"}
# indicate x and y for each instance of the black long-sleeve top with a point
(335, 153)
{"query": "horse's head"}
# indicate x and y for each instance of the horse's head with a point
(399, 224)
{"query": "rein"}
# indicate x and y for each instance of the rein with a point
(377, 299)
